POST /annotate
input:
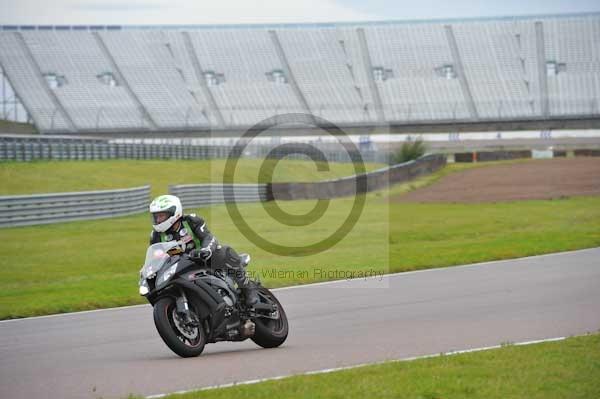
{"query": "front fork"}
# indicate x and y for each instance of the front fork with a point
(184, 309)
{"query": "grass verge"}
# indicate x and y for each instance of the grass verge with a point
(552, 370)
(94, 264)
(65, 176)
(12, 127)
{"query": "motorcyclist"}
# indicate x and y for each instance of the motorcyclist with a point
(169, 223)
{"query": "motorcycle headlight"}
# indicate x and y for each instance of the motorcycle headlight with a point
(144, 290)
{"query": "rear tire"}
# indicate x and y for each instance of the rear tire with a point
(167, 327)
(270, 333)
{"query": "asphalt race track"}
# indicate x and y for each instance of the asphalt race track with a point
(115, 352)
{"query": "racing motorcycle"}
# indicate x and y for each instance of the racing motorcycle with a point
(195, 305)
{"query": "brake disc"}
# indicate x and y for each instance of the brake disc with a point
(188, 332)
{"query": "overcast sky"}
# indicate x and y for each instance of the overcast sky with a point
(151, 12)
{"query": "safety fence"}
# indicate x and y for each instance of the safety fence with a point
(32, 148)
(24, 210)
(352, 185)
(199, 195)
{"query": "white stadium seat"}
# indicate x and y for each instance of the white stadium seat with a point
(116, 78)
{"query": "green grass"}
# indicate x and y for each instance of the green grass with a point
(552, 370)
(65, 176)
(7, 126)
(94, 264)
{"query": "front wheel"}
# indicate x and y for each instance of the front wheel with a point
(183, 339)
(270, 333)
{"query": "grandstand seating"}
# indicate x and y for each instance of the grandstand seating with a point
(162, 78)
(77, 57)
(244, 57)
(500, 64)
(324, 74)
(156, 66)
(27, 81)
(415, 92)
(575, 42)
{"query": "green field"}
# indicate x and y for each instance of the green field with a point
(16, 127)
(94, 264)
(552, 370)
(65, 176)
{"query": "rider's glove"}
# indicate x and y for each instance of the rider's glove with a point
(205, 253)
(202, 253)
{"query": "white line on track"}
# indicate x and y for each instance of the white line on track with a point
(331, 370)
(437, 269)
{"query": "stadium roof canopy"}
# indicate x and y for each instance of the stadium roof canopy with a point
(297, 25)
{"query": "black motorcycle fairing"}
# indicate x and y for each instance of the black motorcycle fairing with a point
(200, 286)
(223, 284)
(181, 264)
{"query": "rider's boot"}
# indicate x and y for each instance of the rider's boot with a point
(249, 289)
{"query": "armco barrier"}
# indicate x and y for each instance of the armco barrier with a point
(198, 195)
(24, 210)
(347, 186)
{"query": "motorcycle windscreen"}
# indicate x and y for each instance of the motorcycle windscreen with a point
(156, 256)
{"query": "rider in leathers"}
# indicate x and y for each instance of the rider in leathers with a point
(169, 223)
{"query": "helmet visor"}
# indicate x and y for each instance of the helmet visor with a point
(159, 217)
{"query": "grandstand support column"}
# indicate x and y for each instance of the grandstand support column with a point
(288, 72)
(368, 65)
(121, 79)
(541, 64)
(17, 99)
(460, 72)
(200, 76)
(38, 71)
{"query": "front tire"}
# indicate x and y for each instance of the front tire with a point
(184, 341)
(270, 333)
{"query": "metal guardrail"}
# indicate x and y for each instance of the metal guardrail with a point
(198, 195)
(352, 185)
(26, 210)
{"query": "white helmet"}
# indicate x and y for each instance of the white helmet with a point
(165, 211)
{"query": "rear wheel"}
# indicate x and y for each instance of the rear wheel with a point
(184, 339)
(270, 333)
